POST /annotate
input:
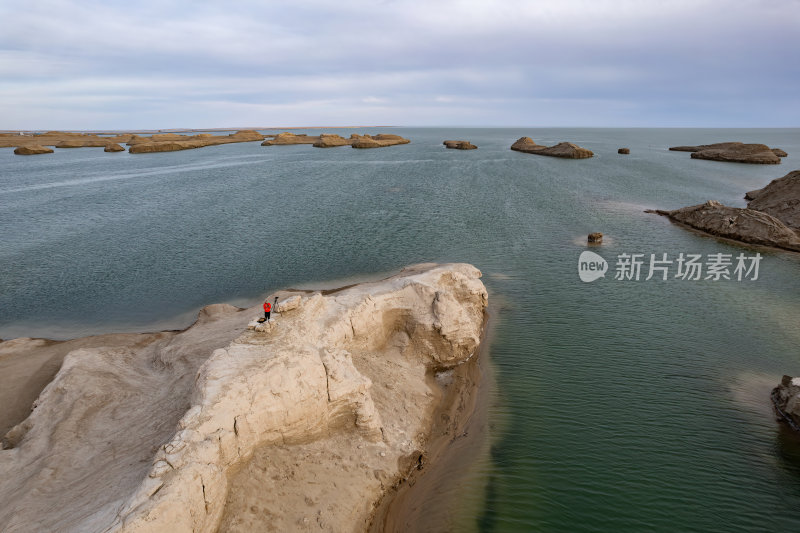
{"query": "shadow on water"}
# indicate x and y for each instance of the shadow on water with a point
(501, 460)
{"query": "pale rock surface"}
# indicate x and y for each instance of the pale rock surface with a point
(303, 425)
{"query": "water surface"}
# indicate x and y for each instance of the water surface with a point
(620, 405)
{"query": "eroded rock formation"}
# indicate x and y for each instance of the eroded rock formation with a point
(312, 418)
(32, 149)
(745, 225)
(772, 216)
(736, 152)
(781, 199)
(564, 149)
(169, 142)
(786, 399)
(460, 145)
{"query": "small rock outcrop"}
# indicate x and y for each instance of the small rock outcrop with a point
(595, 238)
(735, 152)
(32, 149)
(460, 145)
(779, 152)
(624, 151)
(113, 147)
(786, 399)
(377, 141)
(564, 150)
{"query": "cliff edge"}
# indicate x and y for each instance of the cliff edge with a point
(298, 424)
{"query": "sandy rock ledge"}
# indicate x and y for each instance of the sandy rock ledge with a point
(303, 425)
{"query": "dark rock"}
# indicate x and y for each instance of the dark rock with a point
(564, 149)
(596, 238)
(735, 152)
(786, 399)
(781, 199)
(460, 145)
(745, 225)
(624, 151)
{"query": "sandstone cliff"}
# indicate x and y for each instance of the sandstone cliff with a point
(298, 423)
(564, 149)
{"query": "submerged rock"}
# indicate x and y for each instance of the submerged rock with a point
(596, 238)
(460, 145)
(565, 150)
(32, 149)
(786, 399)
(735, 152)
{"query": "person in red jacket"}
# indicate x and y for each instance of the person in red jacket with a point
(267, 309)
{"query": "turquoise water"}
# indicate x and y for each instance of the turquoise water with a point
(621, 405)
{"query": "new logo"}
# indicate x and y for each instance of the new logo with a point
(591, 266)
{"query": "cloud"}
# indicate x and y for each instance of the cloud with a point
(399, 62)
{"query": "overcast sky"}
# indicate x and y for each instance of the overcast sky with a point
(114, 65)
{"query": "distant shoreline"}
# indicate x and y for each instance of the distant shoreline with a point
(190, 130)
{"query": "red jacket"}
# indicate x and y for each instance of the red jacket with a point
(267, 307)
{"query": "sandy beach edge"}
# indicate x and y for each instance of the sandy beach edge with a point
(459, 433)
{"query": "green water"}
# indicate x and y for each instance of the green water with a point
(620, 405)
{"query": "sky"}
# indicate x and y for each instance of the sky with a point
(523, 63)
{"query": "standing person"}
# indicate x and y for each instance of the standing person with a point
(267, 309)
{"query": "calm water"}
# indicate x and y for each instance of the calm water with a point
(620, 406)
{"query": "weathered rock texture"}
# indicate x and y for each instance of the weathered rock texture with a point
(113, 147)
(290, 138)
(736, 152)
(376, 141)
(786, 399)
(169, 142)
(32, 149)
(781, 199)
(326, 140)
(745, 225)
(303, 424)
(460, 145)
(772, 216)
(595, 238)
(564, 149)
